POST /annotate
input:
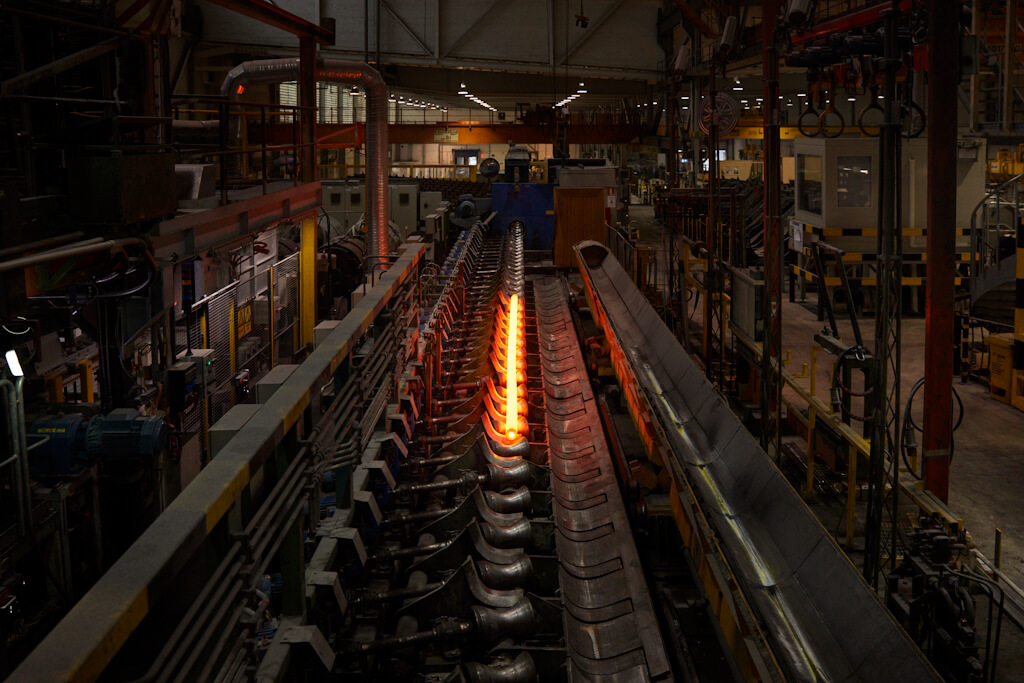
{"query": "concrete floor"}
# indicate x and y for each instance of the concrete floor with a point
(987, 473)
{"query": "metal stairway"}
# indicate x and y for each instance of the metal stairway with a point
(994, 226)
(994, 113)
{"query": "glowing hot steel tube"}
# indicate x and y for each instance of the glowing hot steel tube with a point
(511, 387)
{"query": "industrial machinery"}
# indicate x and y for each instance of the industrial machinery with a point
(295, 431)
(439, 492)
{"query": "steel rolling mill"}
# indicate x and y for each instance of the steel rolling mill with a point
(438, 493)
(284, 400)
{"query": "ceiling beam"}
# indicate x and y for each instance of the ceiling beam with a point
(401, 22)
(472, 29)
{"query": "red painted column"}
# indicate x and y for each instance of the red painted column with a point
(943, 27)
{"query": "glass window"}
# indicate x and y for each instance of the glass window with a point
(853, 182)
(808, 183)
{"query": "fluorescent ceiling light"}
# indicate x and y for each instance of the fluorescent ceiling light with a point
(14, 364)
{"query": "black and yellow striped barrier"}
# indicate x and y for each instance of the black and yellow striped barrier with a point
(866, 281)
(850, 257)
(1016, 395)
(868, 232)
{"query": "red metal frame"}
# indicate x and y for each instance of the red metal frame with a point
(847, 22)
(939, 315)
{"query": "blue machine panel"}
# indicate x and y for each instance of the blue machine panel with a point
(531, 203)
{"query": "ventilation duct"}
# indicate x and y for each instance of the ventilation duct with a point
(355, 73)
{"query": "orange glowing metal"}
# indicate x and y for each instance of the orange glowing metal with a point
(511, 388)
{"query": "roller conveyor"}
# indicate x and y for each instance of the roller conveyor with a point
(434, 498)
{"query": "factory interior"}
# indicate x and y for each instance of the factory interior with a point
(477, 341)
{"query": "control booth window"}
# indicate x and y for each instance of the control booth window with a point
(853, 182)
(808, 182)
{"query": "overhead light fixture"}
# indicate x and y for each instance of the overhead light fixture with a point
(473, 98)
(736, 87)
(802, 94)
(14, 364)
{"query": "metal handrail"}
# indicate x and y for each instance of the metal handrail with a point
(981, 248)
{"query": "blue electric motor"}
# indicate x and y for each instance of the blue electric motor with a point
(76, 440)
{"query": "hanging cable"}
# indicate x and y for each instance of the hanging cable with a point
(837, 388)
(908, 437)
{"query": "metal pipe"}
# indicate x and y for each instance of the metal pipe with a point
(12, 417)
(19, 392)
(46, 256)
(341, 71)
(59, 240)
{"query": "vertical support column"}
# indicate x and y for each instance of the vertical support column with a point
(307, 280)
(673, 133)
(271, 310)
(203, 330)
(307, 100)
(888, 317)
(941, 250)
(307, 248)
(771, 350)
(84, 368)
(232, 347)
(1009, 62)
(712, 273)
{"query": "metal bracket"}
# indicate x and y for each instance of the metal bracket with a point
(349, 536)
(381, 468)
(311, 634)
(327, 584)
(367, 506)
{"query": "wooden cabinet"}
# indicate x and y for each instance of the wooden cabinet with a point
(579, 215)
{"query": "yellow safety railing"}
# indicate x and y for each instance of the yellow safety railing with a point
(819, 411)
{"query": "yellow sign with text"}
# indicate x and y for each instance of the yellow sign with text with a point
(243, 320)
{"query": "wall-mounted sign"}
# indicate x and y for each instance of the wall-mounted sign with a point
(243, 320)
(446, 135)
(796, 235)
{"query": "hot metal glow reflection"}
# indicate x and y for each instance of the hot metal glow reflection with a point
(511, 388)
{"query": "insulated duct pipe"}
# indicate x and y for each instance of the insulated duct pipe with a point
(267, 71)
